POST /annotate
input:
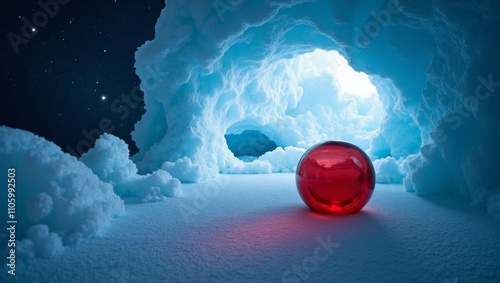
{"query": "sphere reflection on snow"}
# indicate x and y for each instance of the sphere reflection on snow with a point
(335, 177)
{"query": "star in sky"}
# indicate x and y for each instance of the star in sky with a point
(73, 57)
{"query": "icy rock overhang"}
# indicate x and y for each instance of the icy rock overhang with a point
(432, 62)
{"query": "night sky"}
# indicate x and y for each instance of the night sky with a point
(63, 81)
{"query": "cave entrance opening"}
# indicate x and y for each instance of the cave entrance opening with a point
(249, 145)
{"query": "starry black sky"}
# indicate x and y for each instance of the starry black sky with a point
(55, 85)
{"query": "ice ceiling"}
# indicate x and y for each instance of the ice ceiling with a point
(270, 78)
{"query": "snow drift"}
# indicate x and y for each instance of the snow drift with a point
(109, 160)
(59, 201)
(225, 67)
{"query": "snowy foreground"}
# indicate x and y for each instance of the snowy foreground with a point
(255, 228)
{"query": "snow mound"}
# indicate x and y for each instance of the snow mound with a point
(109, 160)
(283, 160)
(388, 171)
(184, 170)
(58, 200)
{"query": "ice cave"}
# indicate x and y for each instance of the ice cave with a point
(284, 69)
(235, 92)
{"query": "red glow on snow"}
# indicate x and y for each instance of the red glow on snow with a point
(268, 231)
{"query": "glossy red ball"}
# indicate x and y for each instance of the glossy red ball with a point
(335, 177)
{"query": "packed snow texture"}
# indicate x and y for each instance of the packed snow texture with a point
(256, 228)
(109, 160)
(216, 68)
(58, 200)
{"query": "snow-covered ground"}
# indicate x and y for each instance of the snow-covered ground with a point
(255, 228)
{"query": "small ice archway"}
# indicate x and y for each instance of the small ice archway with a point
(249, 145)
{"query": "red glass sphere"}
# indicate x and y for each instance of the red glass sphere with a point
(335, 177)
